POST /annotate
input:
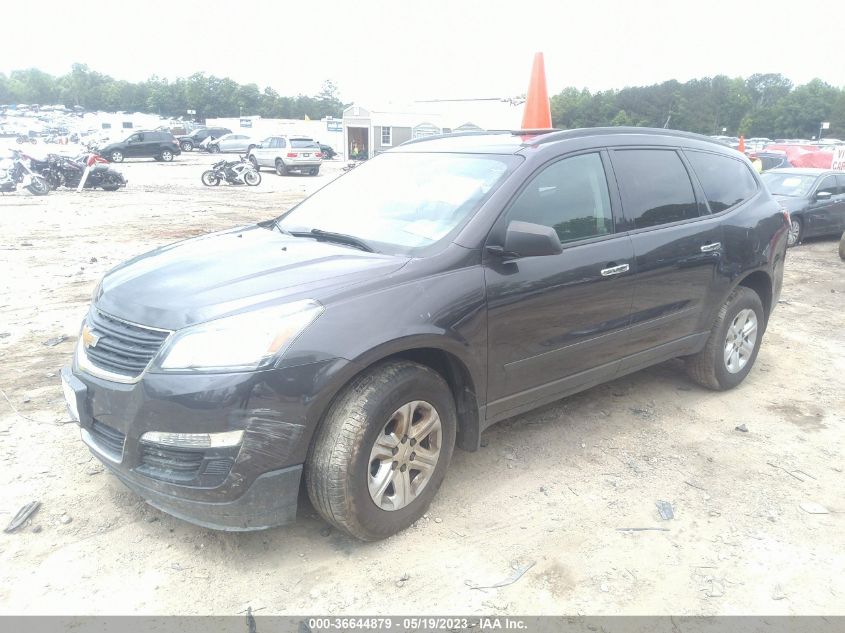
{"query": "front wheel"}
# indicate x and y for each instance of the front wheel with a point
(382, 450)
(214, 149)
(210, 179)
(796, 232)
(186, 146)
(116, 157)
(252, 178)
(734, 341)
(38, 186)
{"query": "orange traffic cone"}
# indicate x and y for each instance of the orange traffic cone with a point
(537, 114)
(741, 147)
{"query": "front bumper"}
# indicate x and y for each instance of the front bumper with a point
(247, 487)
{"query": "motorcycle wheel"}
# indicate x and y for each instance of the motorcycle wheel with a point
(38, 186)
(210, 179)
(33, 141)
(252, 178)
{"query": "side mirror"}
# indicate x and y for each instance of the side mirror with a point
(823, 195)
(524, 239)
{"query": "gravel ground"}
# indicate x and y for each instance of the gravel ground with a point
(550, 494)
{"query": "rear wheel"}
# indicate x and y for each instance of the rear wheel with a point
(166, 155)
(209, 178)
(796, 232)
(280, 167)
(254, 162)
(382, 450)
(186, 146)
(314, 171)
(733, 344)
(214, 149)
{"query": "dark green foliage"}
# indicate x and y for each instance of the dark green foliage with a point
(762, 105)
(210, 96)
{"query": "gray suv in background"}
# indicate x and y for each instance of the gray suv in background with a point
(288, 154)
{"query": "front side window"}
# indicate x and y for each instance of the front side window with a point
(570, 196)
(828, 185)
(726, 181)
(656, 188)
(387, 136)
(403, 202)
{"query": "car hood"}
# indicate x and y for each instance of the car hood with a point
(791, 203)
(225, 273)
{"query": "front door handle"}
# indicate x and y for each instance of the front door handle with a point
(709, 248)
(614, 270)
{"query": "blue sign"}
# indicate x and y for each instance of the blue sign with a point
(334, 125)
(246, 122)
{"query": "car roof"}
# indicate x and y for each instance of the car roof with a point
(515, 141)
(803, 171)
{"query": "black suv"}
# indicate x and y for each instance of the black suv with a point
(158, 144)
(445, 285)
(189, 141)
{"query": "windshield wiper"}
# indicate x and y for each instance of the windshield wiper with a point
(273, 222)
(329, 236)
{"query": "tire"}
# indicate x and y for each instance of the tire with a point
(39, 186)
(314, 171)
(252, 178)
(711, 367)
(166, 155)
(255, 164)
(19, 140)
(796, 232)
(341, 467)
(280, 167)
(33, 140)
(209, 178)
(116, 157)
(214, 149)
(110, 184)
(186, 146)
(842, 248)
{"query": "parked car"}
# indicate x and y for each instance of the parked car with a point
(327, 151)
(445, 285)
(232, 143)
(287, 154)
(815, 199)
(158, 144)
(189, 141)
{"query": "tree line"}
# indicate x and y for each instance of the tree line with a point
(761, 105)
(208, 95)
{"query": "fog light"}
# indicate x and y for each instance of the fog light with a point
(194, 440)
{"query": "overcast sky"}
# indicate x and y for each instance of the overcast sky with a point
(401, 50)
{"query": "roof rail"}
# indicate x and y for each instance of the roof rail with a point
(560, 135)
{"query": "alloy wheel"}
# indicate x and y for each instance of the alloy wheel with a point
(404, 456)
(794, 232)
(740, 340)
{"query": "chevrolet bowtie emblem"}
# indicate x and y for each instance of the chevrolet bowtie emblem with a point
(89, 338)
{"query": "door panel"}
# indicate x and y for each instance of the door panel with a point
(823, 216)
(555, 322)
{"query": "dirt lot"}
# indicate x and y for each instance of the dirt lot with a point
(550, 490)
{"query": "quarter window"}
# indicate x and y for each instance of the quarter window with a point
(726, 181)
(655, 185)
(387, 136)
(569, 196)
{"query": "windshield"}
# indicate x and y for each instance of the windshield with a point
(402, 202)
(792, 185)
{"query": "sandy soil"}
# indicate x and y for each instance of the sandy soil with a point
(550, 491)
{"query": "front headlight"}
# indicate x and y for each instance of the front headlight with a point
(241, 342)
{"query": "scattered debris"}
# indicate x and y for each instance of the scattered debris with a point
(23, 514)
(94, 469)
(438, 520)
(93, 260)
(695, 485)
(5, 334)
(791, 473)
(36, 529)
(715, 589)
(741, 428)
(811, 507)
(518, 573)
(665, 510)
(325, 531)
(52, 342)
(604, 587)
(777, 593)
(65, 519)
(643, 529)
(401, 582)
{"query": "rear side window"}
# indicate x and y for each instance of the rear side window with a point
(302, 143)
(569, 196)
(726, 181)
(655, 185)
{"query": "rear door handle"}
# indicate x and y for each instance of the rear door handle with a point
(614, 270)
(709, 248)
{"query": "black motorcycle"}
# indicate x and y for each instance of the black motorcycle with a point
(60, 171)
(15, 171)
